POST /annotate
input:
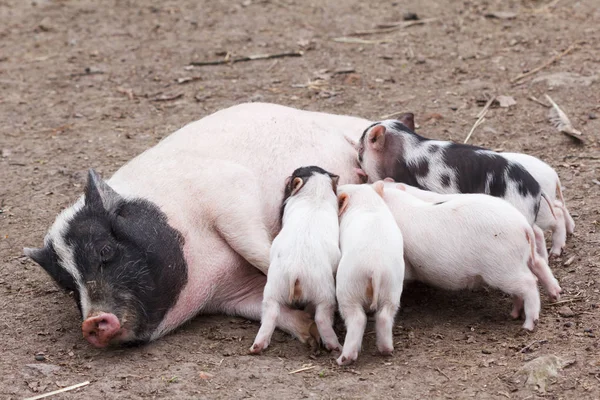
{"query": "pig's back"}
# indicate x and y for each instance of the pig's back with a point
(267, 142)
(541, 171)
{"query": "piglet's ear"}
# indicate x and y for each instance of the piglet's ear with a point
(379, 187)
(376, 137)
(388, 179)
(296, 185)
(99, 195)
(335, 179)
(401, 187)
(342, 203)
(408, 119)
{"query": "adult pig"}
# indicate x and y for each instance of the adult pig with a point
(186, 227)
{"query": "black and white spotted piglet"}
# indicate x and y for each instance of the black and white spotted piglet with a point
(392, 149)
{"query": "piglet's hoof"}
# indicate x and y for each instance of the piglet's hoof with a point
(256, 348)
(344, 360)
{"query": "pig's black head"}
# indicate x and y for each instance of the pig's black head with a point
(121, 259)
(300, 178)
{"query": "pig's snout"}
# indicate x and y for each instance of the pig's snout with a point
(100, 329)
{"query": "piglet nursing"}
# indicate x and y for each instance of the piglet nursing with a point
(371, 271)
(478, 239)
(391, 148)
(304, 255)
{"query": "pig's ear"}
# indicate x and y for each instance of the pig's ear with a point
(379, 187)
(98, 194)
(376, 137)
(335, 179)
(408, 119)
(296, 185)
(40, 256)
(388, 179)
(342, 203)
(401, 187)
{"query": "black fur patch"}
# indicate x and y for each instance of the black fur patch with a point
(445, 180)
(472, 169)
(304, 173)
(421, 169)
(130, 260)
(433, 148)
(438, 203)
(526, 183)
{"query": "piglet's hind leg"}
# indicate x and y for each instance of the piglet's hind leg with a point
(356, 321)
(384, 324)
(324, 321)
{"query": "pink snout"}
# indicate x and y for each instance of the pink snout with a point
(100, 329)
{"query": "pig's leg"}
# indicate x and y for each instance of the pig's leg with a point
(384, 324)
(242, 295)
(569, 222)
(527, 288)
(559, 233)
(356, 322)
(540, 242)
(517, 307)
(541, 269)
(239, 218)
(270, 312)
(324, 320)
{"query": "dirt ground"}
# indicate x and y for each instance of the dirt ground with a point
(92, 84)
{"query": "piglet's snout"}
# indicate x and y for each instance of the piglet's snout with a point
(99, 329)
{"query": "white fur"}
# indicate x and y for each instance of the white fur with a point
(478, 238)
(550, 184)
(372, 252)
(56, 235)
(305, 251)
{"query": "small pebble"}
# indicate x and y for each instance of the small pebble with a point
(592, 116)
(566, 312)
(587, 330)
(486, 351)
(40, 357)
(568, 324)
(410, 16)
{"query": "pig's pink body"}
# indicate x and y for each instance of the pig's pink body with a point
(478, 239)
(230, 168)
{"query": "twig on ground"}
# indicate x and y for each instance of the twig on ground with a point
(355, 40)
(524, 349)
(580, 298)
(442, 372)
(541, 103)
(480, 117)
(559, 119)
(65, 389)
(229, 60)
(546, 64)
(391, 115)
(302, 369)
(386, 28)
(406, 24)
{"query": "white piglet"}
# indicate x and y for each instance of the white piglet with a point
(305, 255)
(371, 271)
(478, 239)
